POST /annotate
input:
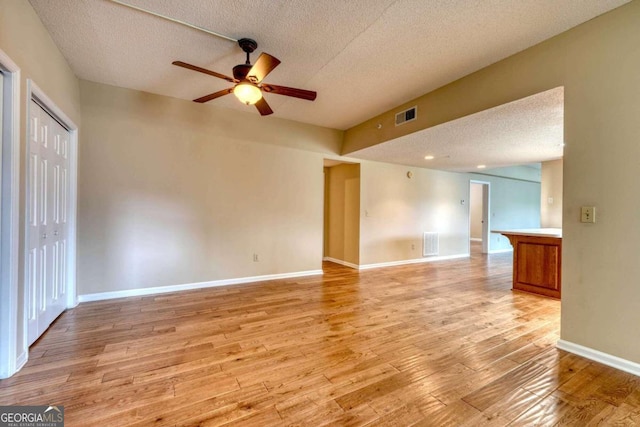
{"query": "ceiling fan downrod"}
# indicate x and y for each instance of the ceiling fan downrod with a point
(248, 46)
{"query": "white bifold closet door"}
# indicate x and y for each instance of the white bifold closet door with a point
(47, 210)
(1, 113)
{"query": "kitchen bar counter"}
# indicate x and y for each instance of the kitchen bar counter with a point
(537, 260)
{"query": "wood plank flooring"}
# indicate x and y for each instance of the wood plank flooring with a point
(436, 344)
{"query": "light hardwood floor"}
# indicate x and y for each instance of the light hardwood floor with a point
(438, 344)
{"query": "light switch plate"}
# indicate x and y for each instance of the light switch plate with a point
(588, 214)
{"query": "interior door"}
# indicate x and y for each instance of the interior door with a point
(47, 199)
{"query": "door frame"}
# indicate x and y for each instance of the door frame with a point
(10, 360)
(36, 94)
(486, 208)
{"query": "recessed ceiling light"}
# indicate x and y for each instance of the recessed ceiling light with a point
(429, 157)
(481, 166)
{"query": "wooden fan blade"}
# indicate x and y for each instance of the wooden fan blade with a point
(204, 70)
(290, 91)
(263, 107)
(214, 95)
(263, 66)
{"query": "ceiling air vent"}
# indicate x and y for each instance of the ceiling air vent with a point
(406, 116)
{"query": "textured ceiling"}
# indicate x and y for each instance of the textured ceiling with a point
(363, 57)
(524, 131)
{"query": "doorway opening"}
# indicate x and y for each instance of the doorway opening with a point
(479, 227)
(341, 236)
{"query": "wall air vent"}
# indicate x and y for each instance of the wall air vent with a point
(406, 116)
(430, 244)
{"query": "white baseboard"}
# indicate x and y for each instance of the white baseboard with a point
(412, 261)
(22, 359)
(190, 286)
(501, 251)
(341, 262)
(10, 369)
(598, 356)
(476, 239)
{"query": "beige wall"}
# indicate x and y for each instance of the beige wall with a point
(325, 239)
(172, 192)
(344, 213)
(475, 211)
(551, 194)
(523, 172)
(397, 210)
(24, 39)
(597, 63)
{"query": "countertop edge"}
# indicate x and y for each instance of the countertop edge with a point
(533, 232)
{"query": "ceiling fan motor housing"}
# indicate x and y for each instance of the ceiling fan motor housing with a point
(240, 71)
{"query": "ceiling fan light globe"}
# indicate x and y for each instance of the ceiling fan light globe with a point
(247, 93)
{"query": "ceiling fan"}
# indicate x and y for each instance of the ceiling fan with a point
(249, 86)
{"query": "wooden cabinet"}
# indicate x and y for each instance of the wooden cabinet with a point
(537, 262)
